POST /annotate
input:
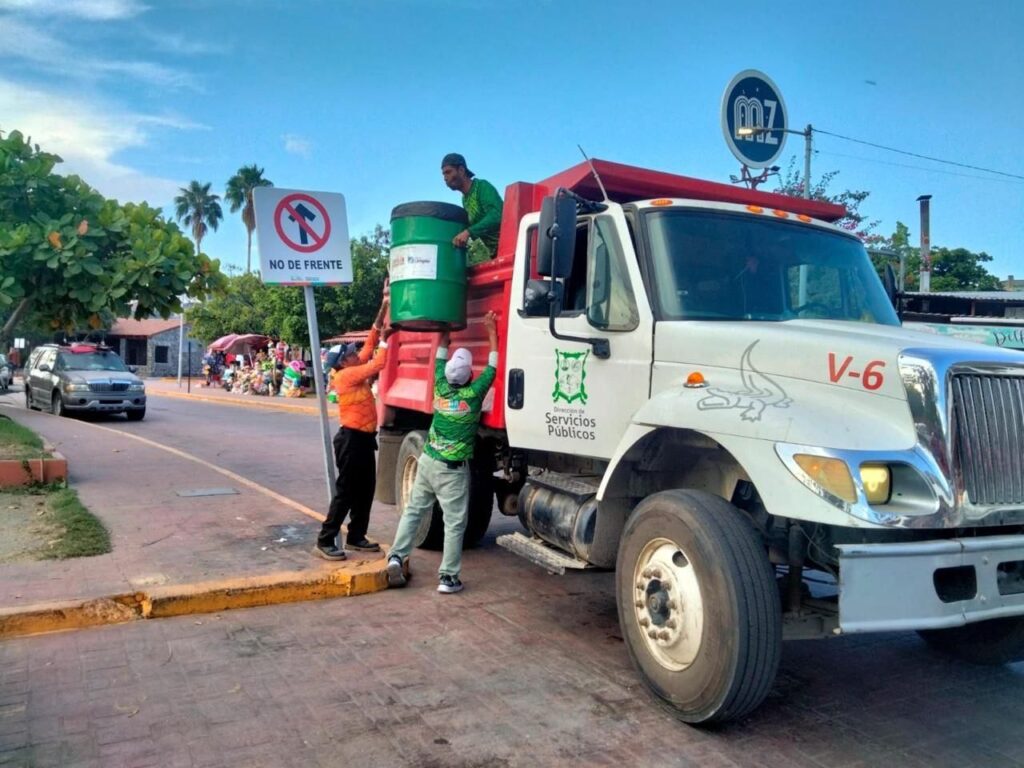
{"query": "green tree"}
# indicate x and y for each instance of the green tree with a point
(238, 194)
(195, 207)
(953, 269)
(792, 183)
(69, 258)
(250, 306)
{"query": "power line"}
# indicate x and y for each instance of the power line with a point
(915, 154)
(915, 167)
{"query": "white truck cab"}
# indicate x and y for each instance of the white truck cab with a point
(717, 398)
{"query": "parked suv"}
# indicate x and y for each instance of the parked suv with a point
(82, 378)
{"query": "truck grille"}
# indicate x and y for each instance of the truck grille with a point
(108, 386)
(989, 432)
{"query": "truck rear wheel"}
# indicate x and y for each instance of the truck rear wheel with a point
(992, 643)
(698, 606)
(431, 532)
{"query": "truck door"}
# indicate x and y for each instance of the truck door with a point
(560, 396)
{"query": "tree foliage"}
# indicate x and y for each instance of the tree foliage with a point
(953, 269)
(238, 195)
(792, 183)
(279, 311)
(71, 259)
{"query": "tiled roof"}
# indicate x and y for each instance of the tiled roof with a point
(127, 326)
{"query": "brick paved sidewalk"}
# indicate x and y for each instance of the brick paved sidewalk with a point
(158, 536)
(521, 669)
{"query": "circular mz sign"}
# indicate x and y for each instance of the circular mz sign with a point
(752, 100)
(302, 223)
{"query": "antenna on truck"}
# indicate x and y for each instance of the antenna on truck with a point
(593, 170)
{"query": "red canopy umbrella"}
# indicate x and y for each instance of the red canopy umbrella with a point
(244, 344)
(221, 344)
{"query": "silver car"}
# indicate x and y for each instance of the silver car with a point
(82, 378)
(6, 373)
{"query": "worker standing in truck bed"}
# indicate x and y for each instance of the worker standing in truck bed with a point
(482, 203)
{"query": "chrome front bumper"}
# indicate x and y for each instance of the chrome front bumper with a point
(113, 403)
(889, 587)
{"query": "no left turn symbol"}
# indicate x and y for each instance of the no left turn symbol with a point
(302, 223)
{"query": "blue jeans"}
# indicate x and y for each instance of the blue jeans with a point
(449, 487)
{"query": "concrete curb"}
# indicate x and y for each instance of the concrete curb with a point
(350, 579)
(15, 473)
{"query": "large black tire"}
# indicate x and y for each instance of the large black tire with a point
(692, 568)
(137, 414)
(431, 532)
(57, 405)
(28, 397)
(991, 643)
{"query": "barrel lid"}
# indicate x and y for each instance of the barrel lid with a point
(443, 211)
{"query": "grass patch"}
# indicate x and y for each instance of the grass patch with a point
(82, 534)
(48, 522)
(18, 442)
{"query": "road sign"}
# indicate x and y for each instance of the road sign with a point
(752, 100)
(302, 237)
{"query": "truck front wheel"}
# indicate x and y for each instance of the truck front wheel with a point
(431, 532)
(698, 605)
(993, 643)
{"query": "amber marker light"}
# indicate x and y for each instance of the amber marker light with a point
(695, 380)
(755, 209)
(804, 218)
(830, 474)
(661, 201)
(781, 214)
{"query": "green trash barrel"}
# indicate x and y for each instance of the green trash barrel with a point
(428, 273)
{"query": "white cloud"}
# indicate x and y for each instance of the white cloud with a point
(98, 10)
(297, 145)
(88, 136)
(51, 54)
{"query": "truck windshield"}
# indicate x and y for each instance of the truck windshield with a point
(722, 266)
(90, 361)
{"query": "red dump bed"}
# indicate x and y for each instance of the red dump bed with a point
(407, 380)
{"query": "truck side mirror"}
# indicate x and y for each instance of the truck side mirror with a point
(556, 241)
(537, 297)
(889, 282)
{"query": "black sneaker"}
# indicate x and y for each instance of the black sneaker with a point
(449, 584)
(364, 546)
(329, 553)
(396, 574)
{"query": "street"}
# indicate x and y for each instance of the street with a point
(521, 669)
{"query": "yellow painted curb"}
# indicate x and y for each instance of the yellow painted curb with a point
(357, 578)
(249, 402)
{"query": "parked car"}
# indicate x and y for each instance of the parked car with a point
(6, 373)
(82, 378)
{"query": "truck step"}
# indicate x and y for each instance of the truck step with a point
(580, 487)
(540, 553)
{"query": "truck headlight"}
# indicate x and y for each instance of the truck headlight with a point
(831, 475)
(137, 387)
(72, 387)
(877, 482)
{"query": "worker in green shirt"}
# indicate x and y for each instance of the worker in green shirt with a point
(481, 201)
(442, 470)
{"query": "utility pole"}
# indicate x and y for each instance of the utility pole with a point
(926, 256)
(807, 161)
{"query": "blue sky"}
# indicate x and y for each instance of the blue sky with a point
(364, 97)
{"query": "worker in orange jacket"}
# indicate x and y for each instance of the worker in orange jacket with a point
(355, 443)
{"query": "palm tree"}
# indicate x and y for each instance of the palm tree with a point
(195, 207)
(239, 195)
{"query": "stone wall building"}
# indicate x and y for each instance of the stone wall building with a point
(152, 346)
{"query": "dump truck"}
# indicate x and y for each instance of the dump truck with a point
(707, 389)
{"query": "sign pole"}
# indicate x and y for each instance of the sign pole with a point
(321, 395)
